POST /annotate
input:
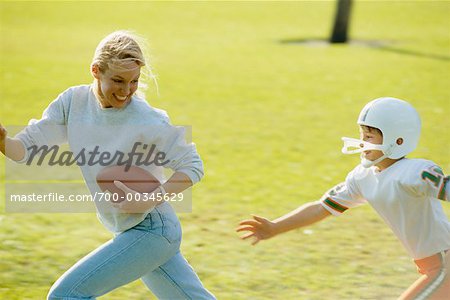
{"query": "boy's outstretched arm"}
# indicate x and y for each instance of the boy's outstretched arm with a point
(261, 228)
(16, 150)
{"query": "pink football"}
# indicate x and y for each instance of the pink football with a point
(135, 178)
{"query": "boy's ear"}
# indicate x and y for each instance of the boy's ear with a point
(95, 71)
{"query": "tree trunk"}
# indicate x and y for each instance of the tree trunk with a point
(341, 21)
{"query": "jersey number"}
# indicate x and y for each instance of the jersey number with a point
(435, 176)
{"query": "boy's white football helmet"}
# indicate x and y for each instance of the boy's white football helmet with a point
(396, 119)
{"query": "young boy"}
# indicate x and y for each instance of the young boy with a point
(403, 191)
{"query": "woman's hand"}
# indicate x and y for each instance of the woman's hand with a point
(259, 228)
(3, 135)
(136, 202)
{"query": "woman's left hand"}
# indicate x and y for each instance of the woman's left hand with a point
(134, 201)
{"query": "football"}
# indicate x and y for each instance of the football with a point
(135, 178)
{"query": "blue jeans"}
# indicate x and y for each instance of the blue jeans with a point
(149, 251)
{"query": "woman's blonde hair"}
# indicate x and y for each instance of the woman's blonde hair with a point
(121, 47)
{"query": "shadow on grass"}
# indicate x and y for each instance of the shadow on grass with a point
(375, 44)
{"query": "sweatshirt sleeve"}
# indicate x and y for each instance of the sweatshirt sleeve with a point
(180, 156)
(51, 129)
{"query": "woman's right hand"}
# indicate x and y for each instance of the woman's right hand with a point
(259, 228)
(3, 135)
(16, 149)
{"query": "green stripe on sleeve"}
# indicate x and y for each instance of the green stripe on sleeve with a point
(336, 206)
(442, 191)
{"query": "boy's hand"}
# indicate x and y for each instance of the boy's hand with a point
(260, 228)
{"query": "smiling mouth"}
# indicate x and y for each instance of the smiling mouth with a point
(122, 99)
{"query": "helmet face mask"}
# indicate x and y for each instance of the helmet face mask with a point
(396, 119)
(352, 146)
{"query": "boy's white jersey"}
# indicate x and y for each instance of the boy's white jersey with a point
(406, 195)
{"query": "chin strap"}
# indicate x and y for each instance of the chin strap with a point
(369, 163)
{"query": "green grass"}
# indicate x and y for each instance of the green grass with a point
(267, 119)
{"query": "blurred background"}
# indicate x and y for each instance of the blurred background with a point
(268, 100)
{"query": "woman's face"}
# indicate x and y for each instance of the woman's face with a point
(116, 86)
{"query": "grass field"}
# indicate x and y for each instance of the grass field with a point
(267, 117)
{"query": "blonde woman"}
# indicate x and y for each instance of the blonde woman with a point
(147, 242)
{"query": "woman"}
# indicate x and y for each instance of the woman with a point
(109, 115)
